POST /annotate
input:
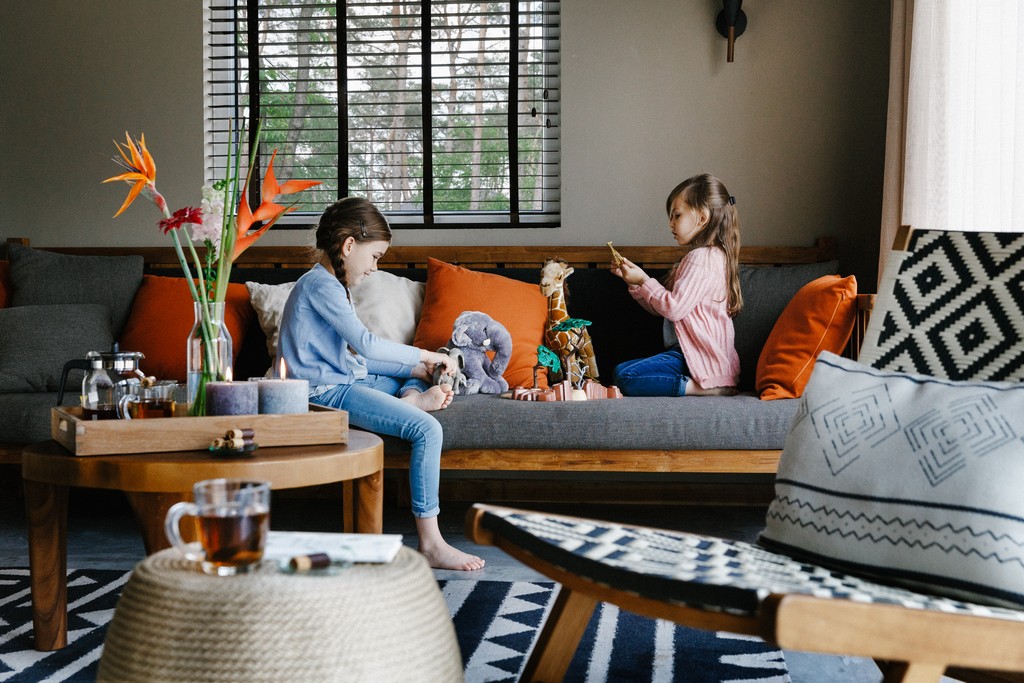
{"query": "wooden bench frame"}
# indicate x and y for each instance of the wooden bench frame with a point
(529, 459)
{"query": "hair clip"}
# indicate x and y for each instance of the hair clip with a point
(732, 200)
(362, 230)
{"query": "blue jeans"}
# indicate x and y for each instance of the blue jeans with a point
(373, 404)
(662, 375)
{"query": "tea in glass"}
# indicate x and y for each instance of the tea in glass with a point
(149, 401)
(234, 539)
(100, 411)
(233, 518)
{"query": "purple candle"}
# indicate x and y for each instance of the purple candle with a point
(231, 398)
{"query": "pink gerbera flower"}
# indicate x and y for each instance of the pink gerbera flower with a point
(182, 217)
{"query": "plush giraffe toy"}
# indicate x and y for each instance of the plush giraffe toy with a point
(552, 285)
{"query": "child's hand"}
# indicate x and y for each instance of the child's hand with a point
(441, 359)
(429, 360)
(631, 273)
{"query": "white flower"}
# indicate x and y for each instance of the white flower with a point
(213, 217)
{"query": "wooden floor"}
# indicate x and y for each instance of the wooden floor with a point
(101, 533)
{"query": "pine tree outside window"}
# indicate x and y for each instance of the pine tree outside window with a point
(445, 115)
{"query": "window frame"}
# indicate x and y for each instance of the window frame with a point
(226, 101)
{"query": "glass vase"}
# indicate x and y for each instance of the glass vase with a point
(208, 354)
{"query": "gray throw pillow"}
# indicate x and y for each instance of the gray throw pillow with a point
(43, 277)
(36, 341)
(907, 477)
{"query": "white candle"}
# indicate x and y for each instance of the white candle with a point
(280, 395)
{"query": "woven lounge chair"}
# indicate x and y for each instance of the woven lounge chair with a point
(724, 585)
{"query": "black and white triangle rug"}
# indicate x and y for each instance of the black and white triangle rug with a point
(496, 623)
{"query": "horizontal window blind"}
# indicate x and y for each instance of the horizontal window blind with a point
(441, 113)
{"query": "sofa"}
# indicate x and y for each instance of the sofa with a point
(483, 433)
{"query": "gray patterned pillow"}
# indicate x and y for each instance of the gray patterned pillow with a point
(43, 277)
(910, 478)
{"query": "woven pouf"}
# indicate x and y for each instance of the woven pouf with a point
(368, 622)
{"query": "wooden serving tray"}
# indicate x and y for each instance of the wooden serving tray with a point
(320, 425)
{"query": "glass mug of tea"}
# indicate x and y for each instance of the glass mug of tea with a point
(142, 401)
(232, 520)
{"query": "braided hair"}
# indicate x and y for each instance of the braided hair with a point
(354, 217)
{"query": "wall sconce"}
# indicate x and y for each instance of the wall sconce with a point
(731, 22)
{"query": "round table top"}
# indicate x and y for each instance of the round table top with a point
(283, 466)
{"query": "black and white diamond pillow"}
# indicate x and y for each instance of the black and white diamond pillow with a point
(951, 306)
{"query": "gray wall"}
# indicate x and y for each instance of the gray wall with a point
(794, 127)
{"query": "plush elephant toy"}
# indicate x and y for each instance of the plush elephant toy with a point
(475, 334)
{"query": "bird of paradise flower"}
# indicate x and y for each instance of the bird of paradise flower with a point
(237, 233)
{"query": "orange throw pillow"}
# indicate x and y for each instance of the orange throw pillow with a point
(162, 315)
(5, 284)
(519, 306)
(818, 318)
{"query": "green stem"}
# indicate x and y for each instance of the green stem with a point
(232, 198)
(184, 265)
(199, 269)
(209, 369)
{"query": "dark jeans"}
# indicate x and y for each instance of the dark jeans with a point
(665, 374)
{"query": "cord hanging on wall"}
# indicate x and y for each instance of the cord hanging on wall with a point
(731, 22)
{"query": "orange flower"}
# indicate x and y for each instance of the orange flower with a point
(267, 211)
(140, 171)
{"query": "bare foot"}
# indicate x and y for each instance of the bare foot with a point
(444, 556)
(438, 552)
(449, 394)
(435, 398)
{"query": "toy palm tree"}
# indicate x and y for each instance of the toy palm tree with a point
(546, 358)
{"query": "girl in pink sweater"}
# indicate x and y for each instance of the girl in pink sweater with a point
(699, 297)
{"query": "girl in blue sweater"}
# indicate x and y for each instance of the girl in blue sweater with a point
(385, 386)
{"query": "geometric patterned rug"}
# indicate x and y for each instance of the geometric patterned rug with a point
(496, 623)
(951, 306)
(497, 633)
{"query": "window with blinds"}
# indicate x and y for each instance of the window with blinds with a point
(442, 113)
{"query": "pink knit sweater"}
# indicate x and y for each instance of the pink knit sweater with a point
(698, 306)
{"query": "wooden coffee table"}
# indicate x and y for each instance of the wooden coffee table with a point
(155, 481)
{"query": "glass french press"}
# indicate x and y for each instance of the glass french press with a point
(108, 374)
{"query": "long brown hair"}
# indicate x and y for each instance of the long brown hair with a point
(705, 192)
(354, 217)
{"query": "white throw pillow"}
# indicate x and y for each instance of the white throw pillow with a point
(907, 477)
(389, 305)
(269, 300)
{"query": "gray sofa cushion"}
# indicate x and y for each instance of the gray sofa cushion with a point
(713, 422)
(36, 341)
(25, 418)
(42, 277)
(766, 291)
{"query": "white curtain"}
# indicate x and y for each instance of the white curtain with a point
(964, 146)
